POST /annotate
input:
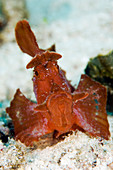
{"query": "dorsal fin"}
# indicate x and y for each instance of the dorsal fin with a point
(26, 38)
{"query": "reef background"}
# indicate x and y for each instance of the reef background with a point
(81, 30)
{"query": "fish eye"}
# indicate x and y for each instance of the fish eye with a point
(45, 65)
(36, 73)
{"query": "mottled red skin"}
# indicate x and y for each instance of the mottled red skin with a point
(45, 77)
(59, 106)
(46, 70)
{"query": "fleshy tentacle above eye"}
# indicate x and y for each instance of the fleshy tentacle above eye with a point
(29, 124)
(90, 112)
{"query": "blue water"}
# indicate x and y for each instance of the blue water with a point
(47, 10)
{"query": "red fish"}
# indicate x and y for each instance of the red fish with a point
(46, 69)
(59, 105)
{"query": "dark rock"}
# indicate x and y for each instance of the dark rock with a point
(100, 68)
